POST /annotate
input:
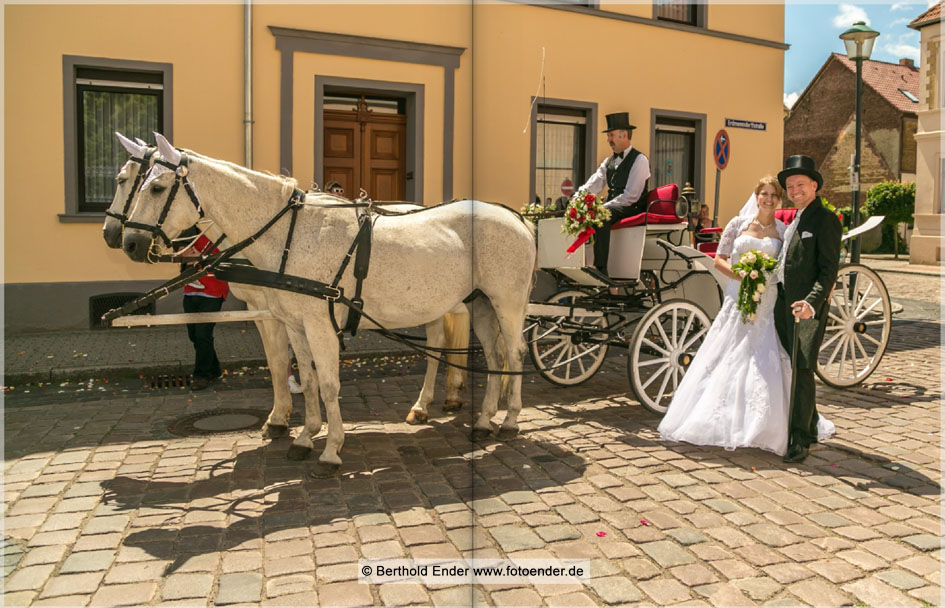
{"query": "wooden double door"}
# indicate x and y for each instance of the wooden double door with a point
(368, 150)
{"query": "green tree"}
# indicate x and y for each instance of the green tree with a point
(895, 201)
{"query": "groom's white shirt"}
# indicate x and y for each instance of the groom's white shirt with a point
(788, 237)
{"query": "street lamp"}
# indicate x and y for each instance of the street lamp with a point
(859, 43)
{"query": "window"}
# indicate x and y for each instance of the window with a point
(102, 97)
(909, 96)
(674, 155)
(560, 151)
(680, 11)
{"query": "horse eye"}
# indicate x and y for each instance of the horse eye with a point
(121, 180)
(158, 188)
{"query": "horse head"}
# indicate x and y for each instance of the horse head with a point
(128, 180)
(156, 219)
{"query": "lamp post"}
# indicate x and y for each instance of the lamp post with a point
(859, 44)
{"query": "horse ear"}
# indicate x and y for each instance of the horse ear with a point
(168, 152)
(141, 142)
(132, 148)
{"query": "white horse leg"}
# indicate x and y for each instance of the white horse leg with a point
(487, 330)
(324, 347)
(511, 319)
(456, 328)
(276, 345)
(303, 446)
(435, 339)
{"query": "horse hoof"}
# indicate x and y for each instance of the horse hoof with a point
(452, 406)
(505, 434)
(415, 417)
(297, 452)
(324, 470)
(480, 434)
(275, 431)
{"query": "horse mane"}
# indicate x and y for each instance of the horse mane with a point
(289, 184)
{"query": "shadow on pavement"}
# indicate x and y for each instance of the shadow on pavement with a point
(259, 493)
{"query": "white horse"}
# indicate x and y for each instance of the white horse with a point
(423, 265)
(452, 331)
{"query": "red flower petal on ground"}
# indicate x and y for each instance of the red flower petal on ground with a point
(601, 534)
(644, 522)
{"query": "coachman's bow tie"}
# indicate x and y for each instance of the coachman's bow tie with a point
(618, 155)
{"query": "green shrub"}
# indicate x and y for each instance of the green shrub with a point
(895, 201)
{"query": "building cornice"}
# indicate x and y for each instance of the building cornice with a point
(681, 27)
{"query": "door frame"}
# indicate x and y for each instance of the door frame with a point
(411, 93)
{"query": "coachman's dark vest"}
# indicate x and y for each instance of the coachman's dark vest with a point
(617, 178)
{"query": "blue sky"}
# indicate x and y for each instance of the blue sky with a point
(813, 31)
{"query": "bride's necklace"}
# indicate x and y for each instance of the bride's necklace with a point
(762, 226)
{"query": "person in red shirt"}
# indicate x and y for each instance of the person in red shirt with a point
(206, 294)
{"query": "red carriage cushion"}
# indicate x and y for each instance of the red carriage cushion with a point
(786, 215)
(708, 248)
(662, 205)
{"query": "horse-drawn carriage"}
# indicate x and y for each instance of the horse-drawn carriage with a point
(430, 262)
(668, 295)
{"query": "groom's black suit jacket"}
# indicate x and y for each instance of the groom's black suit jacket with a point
(810, 271)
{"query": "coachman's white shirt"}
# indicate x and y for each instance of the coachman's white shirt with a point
(639, 173)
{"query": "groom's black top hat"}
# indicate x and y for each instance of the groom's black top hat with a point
(800, 165)
(620, 120)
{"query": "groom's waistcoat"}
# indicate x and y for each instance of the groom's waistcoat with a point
(813, 257)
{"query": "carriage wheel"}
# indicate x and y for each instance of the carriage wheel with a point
(858, 327)
(663, 345)
(561, 354)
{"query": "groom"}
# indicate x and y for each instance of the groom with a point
(810, 258)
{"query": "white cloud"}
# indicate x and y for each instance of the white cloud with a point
(903, 21)
(790, 99)
(848, 15)
(902, 51)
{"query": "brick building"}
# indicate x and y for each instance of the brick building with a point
(822, 124)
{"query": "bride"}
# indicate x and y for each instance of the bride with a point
(736, 392)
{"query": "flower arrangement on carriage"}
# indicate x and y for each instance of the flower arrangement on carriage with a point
(584, 214)
(538, 210)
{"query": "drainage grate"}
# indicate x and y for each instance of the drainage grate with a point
(212, 422)
(166, 381)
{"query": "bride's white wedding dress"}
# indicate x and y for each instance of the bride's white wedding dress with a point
(736, 392)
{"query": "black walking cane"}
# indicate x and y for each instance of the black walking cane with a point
(797, 321)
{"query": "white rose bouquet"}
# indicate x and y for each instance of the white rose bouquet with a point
(752, 268)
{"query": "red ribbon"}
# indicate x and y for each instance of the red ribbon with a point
(581, 239)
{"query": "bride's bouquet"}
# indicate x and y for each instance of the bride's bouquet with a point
(752, 268)
(585, 213)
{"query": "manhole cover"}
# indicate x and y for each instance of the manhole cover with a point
(219, 421)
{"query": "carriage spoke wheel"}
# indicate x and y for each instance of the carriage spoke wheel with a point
(563, 355)
(662, 347)
(858, 327)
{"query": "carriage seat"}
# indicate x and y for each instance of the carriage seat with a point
(661, 206)
(786, 215)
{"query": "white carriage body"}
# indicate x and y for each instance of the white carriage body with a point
(633, 250)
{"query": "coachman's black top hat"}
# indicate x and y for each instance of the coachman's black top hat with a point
(800, 165)
(620, 120)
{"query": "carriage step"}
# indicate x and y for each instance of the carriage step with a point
(605, 279)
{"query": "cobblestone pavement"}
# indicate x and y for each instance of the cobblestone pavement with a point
(104, 506)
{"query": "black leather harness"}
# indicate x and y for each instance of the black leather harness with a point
(144, 163)
(237, 271)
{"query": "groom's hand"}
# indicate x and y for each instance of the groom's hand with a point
(802, 309)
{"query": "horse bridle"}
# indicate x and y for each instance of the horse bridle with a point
(180, 179)
(144, 163)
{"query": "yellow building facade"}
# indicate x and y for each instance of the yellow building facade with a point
(424, 102)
